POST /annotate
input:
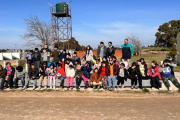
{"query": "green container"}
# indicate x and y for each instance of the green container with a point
(62, 8)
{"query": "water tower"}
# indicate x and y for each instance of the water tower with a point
(61, 23)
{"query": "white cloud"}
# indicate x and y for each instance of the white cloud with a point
(115, 32)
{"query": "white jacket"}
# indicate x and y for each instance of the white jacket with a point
(70, 73)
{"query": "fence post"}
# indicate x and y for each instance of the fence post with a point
(26, 67)
(4, 63)
(17, 63)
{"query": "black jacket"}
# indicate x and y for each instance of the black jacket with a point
(132, 73)
(126, 75)
(34, 72)
(139, 72)
(36, 56)
(110, 51)
(12, 73)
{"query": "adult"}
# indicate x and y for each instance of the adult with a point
(127, 51)
(46, 48)
(88, 53)
(8, 76)
(101, 51)
(75, 58)
(111, 71)
(55, 55)
(36, 58)
(110, 50)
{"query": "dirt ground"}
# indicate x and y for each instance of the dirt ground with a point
(73, 105)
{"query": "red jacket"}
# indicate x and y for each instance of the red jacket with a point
(157, 73)
(61, 71)
(102, 71)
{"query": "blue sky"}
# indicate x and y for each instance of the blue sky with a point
(93, 20)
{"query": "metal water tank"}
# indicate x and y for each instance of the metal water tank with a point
(62, 7)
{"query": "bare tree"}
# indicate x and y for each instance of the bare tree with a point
(137, 44)
(38, 32)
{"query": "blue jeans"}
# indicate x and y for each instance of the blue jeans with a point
(111, 80)
(17, 79)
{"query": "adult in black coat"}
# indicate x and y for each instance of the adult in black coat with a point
(8, 76)
(110, 51)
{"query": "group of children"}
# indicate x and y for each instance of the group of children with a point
(104, 72)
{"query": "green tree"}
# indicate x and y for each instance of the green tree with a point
(167, 33)
(71, 44)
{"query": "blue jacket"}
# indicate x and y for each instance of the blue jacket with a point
(86, 70)
(62, 55)
(127, 51)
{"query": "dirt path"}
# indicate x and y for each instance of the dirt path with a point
(88, 105)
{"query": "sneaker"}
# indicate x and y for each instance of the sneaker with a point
(122, 86)
(39, 87)
(50, 87)
(136, 87)
(54, 87)
(159, 88)
(86, 88)
(132, 87)
(152, 88)
(24, 88)
(170, 89)
(45, 87)
(34, 87)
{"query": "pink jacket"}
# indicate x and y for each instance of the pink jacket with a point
(157, 73)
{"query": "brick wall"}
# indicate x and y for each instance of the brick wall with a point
(118, 53)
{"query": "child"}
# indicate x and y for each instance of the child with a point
(70, 73)
(86, 74)
(125, 63)
(83, 61)
(45, 56)
(20, 74)
(97, 62)
(62, 76)
(52, 75)
(67, 64)
(133, 75)
(122, 75)
(155, 75)
(43, 75)
(105, 60)
(102, 71)
(141, 72)
(95, 79)
(116, 62)
(33, 75)
(168, 74)
(36, 58)
(51, 62)
(78, 76)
